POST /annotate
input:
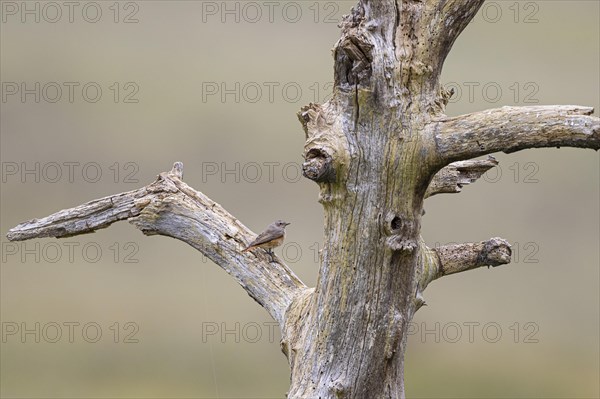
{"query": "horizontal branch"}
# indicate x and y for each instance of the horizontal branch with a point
(453, 177)
(449, 259)
(83, 219)
(511, 129)
(170, 207)
(462, 257)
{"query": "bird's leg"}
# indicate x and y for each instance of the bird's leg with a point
(270, 252)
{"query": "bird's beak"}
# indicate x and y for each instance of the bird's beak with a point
(286, 223)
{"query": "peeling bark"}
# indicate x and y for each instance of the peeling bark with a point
(453, 177)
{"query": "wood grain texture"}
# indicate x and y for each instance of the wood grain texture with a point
(377, 149)
(452, 178)
(510, 129)
(171, 208)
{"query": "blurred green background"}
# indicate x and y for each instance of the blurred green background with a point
(217, 85)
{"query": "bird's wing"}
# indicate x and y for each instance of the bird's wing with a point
(266, 236)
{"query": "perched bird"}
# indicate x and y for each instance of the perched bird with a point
(272, 237)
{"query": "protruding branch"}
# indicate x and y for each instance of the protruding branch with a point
(87, 218)
(450, 259)
(453, 18)
(511, 129)
(462, 257)
(453, 177)
(423, 33)
(437, 24)
(170, 207)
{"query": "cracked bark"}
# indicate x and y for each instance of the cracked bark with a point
(386, 145)
(377, 149)
(453, 177)
(171, 208)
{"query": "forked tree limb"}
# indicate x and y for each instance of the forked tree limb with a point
(510, 129)
(372, 148)
(170, 207)
(167, 207)
(99, 213)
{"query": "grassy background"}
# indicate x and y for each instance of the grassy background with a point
(545, 305)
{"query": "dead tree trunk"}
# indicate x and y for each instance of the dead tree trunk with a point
(377, 149)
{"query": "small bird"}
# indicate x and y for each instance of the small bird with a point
(272, 237)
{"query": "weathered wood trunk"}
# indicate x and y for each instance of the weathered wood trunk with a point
(377, 149)
(378, 156)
